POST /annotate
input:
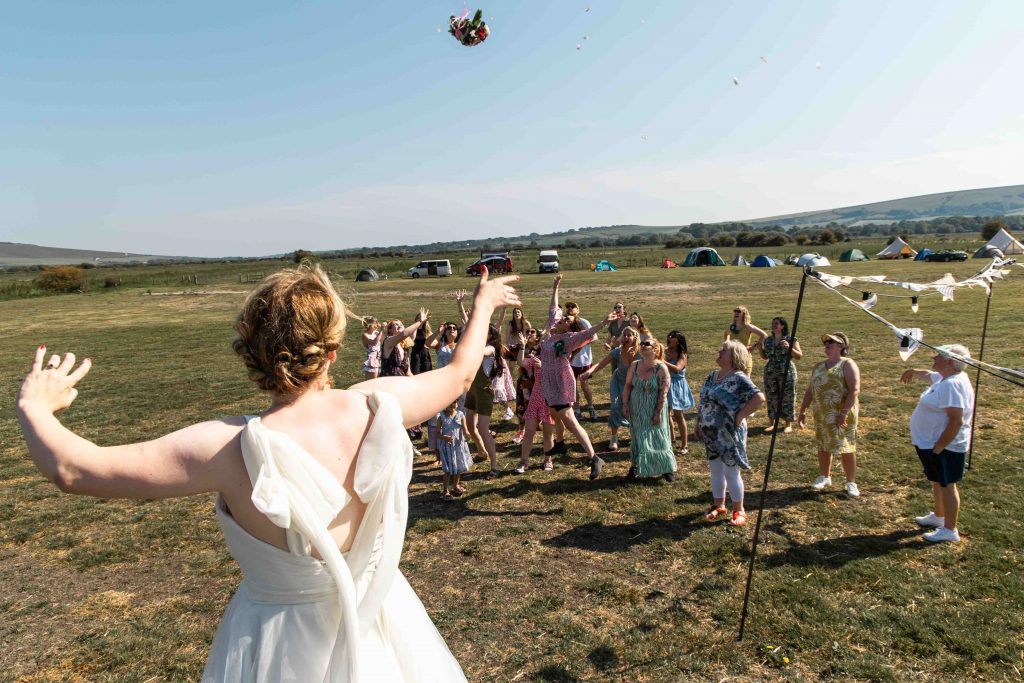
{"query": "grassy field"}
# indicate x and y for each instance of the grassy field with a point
(548, 576)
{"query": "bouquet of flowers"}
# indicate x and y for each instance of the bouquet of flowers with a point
(469, 32)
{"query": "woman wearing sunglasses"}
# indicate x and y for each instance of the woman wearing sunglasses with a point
(645, 401)
(832, 395)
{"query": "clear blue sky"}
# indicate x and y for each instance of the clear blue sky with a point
(231, 128)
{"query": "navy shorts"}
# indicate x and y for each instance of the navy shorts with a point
(944, 468)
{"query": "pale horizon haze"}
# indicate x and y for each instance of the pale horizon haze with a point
(229, 128)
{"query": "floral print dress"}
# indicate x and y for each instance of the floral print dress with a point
(720, 401)
(828, 391)
(776, 381)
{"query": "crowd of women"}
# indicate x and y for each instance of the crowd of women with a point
(312, 493)
(537, 369)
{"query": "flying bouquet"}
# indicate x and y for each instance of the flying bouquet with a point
(469, 32)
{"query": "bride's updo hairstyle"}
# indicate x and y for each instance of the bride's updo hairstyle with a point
(286, 328)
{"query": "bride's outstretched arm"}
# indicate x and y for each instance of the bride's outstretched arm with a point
(426, 394)
(179, 464)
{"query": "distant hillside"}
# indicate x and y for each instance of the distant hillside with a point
(992, 201)
(15, 254)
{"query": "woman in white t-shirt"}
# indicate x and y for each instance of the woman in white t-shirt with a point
(940, 428)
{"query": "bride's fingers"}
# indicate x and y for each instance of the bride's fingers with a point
(67, 364)
(80, 372)
(37, 360)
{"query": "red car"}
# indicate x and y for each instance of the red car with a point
(495, 264)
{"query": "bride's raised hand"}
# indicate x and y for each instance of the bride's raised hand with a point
(496, 292)
(51, 387)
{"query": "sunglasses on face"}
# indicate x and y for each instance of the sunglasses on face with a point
(646, 345)
(829, 342)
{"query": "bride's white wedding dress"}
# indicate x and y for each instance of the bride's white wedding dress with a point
(351, 618)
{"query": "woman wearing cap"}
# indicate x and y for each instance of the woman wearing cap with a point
(833, 392)
(940, 428)
(727, 397)
(645, 402)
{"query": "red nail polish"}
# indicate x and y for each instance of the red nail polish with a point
(42, 346)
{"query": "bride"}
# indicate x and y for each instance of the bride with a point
(312, 493)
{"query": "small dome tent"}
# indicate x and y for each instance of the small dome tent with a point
(603, 266)
(669, 263)
(367, 275)
(852, 255)
(988, 251)
(813, 260)
(897, 249)
(763, 261)
(740, 261)
(703, 256)
(923, 254)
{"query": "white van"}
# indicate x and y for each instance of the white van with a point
(547, 261)
(440, 268)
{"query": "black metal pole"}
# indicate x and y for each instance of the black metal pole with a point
(977, 377)
(771, 451)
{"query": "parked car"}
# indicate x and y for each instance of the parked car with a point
(440, 268)
(947, 255)
(547, 261)
(495, 264)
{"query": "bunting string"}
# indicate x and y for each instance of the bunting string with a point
(911, 338)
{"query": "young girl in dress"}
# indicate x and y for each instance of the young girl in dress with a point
(680, 398)
(451, 442)
(372, 339)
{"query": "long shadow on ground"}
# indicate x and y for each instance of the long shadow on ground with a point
(614, 538)
(833, 553)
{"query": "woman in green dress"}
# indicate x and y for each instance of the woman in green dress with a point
(833, 392)
(645, 402)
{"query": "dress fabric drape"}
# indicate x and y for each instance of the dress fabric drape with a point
(346, 618)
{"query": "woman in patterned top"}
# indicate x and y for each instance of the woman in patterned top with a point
(779, 376)
(559, 387)
(727, 397)
(833, 392)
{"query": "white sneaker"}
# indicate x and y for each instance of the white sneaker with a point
(931, 519)
(613, 444)
(851, 490)
(821, 483)
(942, 534)
(509, 414)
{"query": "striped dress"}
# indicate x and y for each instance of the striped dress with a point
(651, 445)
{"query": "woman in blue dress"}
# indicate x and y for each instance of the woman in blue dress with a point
(620, 358)
(680, 398)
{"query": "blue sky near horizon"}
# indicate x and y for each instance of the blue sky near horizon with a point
(211, 129)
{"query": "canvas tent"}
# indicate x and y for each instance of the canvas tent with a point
(898, 249)
(604, 265)
(763, 261)
(703, 256)
(988, 251)
(813, 260)
(669, 263)
(852, 255)
(923, 254)
(740, 261)
(367, 275)
(1005, 242)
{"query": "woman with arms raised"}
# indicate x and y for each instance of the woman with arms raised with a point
(312, 493)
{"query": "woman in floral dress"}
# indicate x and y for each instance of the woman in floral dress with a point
(833, 393)
(778, 383)
(727, 397)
